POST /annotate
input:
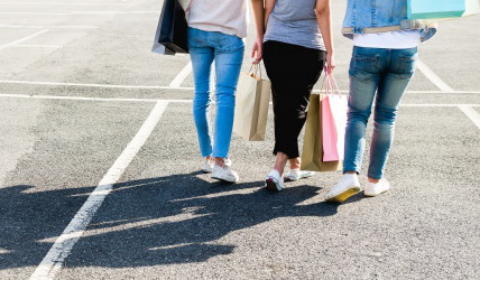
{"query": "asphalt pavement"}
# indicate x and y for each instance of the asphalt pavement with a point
(86, 106)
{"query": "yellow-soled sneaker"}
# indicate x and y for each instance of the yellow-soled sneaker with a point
(348, 186)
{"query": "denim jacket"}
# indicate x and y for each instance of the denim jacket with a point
(375, 16)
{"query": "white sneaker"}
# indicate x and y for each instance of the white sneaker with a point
(274, 181)
(375, 189)
(297, 174)
(225, 174)
(348, 186)
(207, 166)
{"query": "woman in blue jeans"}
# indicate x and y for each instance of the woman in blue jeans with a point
(382, 65)
(216, 29)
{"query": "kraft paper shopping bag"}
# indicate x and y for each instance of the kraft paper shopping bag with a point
(312, 155)
(251, 105)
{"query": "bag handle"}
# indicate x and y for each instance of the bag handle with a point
(330, 84)
(258, 70)
(189, 7)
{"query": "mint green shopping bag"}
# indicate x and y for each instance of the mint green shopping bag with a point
(440, 9)
(435, 9)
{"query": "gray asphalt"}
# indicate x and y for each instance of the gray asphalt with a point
(166, 220)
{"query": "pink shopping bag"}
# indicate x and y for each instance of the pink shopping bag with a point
(334, 120)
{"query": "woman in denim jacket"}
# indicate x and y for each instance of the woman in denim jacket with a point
(382, 65)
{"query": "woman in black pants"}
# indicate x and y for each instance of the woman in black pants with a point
(296, 45)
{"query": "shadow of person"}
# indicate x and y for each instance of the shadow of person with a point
(181, 220)
(165, 220)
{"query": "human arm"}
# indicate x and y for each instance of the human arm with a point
(259, 15)
(324, 19)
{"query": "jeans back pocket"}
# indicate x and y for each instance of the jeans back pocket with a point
(363, 66)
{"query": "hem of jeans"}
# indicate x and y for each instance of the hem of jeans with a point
(346, 170)
(375, 177)
(223, 156)
(204, 155)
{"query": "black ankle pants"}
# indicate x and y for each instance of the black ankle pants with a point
(293, 71)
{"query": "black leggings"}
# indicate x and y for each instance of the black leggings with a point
(293, 70)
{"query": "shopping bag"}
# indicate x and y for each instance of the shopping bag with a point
(441, 9)
(472, 7)
(312, 155)
(171, 30)
(157, 47)
(185, 4)
(334, 120)
(251, 105)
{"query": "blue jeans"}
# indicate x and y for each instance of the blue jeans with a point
(386, 72)
(227, 52)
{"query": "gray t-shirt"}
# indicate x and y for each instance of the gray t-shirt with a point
(294, 22)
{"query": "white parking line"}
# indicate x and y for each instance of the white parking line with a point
(23, 39)
(143, 87)
(471, 113)
(108, 86)
(103, 4)
(80, 98)
(433, 77)
(181, 76)
(49, 27)
(53, 261)
(80, 13)
(39, 46)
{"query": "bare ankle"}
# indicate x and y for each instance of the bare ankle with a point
(373, 180)
(280, 162)
(219, 162)
(295, 163)
(279, 170)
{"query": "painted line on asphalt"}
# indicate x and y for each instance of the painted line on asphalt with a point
(81, 13)
(39, 46)
(471, 113)
(79, 98)
(143, 87)
(139, 87)
(75, 98)
(82, 98)
(181, 76)
(49, 27)
(103, 4)
(23, 39)
(428, 72)
(53, 261)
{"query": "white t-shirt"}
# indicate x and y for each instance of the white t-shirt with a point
(403, 39)
(226, 16)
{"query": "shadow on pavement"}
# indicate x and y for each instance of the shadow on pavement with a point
(165, 220)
